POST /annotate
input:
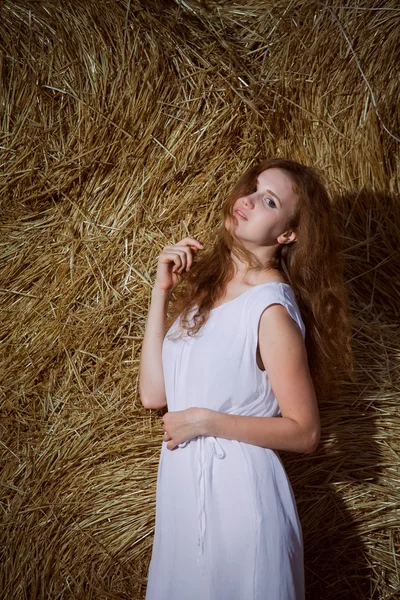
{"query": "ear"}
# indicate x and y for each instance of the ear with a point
(287, 237)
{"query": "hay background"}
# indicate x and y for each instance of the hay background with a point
(124, 123)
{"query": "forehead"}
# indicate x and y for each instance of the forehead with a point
(279, 182)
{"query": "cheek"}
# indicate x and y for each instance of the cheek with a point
(269, 226)
(230, 222)
(268, 219)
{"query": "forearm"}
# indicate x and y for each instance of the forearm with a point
(277, 433)
(151, 375)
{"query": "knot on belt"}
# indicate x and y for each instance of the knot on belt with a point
(218, 451)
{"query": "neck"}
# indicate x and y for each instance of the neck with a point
(251, 276)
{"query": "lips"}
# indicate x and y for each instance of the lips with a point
(241, 214)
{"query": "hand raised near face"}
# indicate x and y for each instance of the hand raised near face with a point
(174, 261)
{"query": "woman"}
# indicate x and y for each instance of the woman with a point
(234, 373)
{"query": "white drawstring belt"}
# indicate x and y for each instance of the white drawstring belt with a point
(218, 451)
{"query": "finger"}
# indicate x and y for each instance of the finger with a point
(184, 254)
(171, 257)
(176, 255)
(188, 240)
(188, 255)
(184, 251)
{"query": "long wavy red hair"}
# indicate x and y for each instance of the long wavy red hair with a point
(312, 266)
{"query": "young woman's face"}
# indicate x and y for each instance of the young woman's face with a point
(260, 217)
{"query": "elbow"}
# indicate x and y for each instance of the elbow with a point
(312, 442)
(152, 395)
(152, 403)
(144, 401)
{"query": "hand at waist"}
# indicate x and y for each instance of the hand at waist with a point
(183, 425)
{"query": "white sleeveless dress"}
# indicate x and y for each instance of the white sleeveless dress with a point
(227, 526)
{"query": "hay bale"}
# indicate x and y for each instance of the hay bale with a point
(123, 126)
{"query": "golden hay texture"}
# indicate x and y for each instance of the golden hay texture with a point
(124, 124)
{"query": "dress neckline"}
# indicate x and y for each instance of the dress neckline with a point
(249, 290)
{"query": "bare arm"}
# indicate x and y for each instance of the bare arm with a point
(284, 356)
(151, 376)
(172, 261)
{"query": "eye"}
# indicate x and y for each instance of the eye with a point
(271, 202)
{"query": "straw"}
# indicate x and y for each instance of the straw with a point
(123, 126)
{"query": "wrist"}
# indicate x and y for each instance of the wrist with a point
(159, 291)
(207, 421)
(160, 296)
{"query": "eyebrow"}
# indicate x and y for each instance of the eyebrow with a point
(272, 193)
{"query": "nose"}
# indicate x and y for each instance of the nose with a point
(248, 200)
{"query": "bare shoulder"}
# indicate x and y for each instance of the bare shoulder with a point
(280, 340)
(276, 320)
